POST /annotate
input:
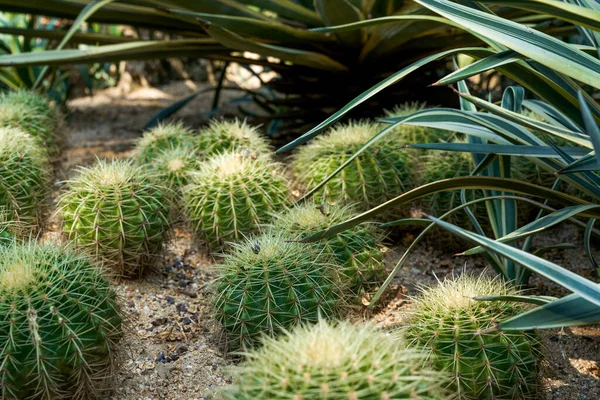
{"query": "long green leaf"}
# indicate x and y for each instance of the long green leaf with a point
(507, 150)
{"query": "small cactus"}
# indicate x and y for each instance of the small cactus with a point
(336, 362)
(413, 134)
(171, 169)
(458, 333)
(24, 178)
(224, 136)
(160, 138)
(267, 284)
(115, 213)
(357, 250)
(378, 174)
(59, 324)
(33, 114)
(231, 196)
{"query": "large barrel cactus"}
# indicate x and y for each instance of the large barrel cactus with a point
(223, 136)
(59, 324)
(455, 329)
(336, 362)
(160, 138)
(114, 212)
(357, 250)
(267, 284)
(24, 179)
(232, 195)
(378, 174)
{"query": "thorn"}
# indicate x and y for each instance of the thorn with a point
(490, 330)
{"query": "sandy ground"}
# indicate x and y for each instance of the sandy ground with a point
(172, 348)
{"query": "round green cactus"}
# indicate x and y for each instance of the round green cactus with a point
(24, 178)
(378, 174)
(412, 134)
(232, 195)
(223, 136)
(115, 213)
(267, 284)
(357, 250)
(172, 168)
(34, 115)
(458, 333)
(59, 323)
(160, 138)
(336, 362)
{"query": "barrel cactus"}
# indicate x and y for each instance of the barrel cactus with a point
(59, 324)
(455, 330)
(24, 178)
(356, 250)
(378, 174)
(267, 284)
(33, 114)
(160, 138)
(171, 169)
(336, 362)
(413, 134)
(115, 213)
(232, 195)
(222, 136)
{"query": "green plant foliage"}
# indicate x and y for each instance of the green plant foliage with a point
(357, 250)
(232, 195)
(337, 362)
(458, 332)
(35, 115)
(411, 134)
(171, 169)
(160, 138)
(267, 284)
(59, 324)
(24, 178)
(378, 174)
(223, 136)
(114, 212)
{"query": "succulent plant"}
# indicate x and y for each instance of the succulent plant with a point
(378, 174)
(160, 138)
(357, 250)
(458, 333)
(59, 323)
(34, 115)
(232, 195)
(223, 136)
(24, 178)
(267, 284)
(171, 169)
(336, 362)
(412, 134)
(115, 213)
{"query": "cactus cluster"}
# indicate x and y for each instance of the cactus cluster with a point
(161, 138)
(59, 324)
(378, 174)
(114, 212)
(223, 136)
(232, 195)
(458, 332)
(24, 178)
(267, 284)
(337, 362)
(34, 115)
(357, 250)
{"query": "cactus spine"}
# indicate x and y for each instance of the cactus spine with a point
(378, 174)
(115, 213)
(223, 136)
(24, 178)
(357, 250)
(267, 284)
(59, 324)
(454, 328)
(160, 138)
(336, 362)
(232, 195)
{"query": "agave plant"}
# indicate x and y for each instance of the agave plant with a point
(288, 35)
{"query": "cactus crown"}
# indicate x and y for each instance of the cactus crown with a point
(454, 328)
(172, 168)
(59, 323)
(160, 138)
(341, 361)
(223, 136)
